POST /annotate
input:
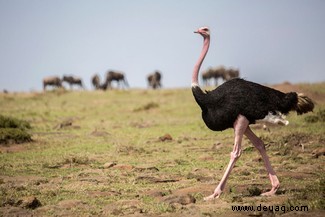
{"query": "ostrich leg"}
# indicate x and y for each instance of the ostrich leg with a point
(240, 127)
(261, 148)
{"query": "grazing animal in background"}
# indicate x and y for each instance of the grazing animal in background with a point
(231, 73)
(236, 104)
(206, 76)
(52, 81)
(71, 80)
(154, 80)
(214, 74)
(115, 76)
(95, 80)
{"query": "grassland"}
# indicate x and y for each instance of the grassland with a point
(148, 153)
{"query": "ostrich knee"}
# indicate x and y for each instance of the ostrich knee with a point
(235, 155)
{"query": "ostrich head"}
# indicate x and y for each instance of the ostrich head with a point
(204, 31)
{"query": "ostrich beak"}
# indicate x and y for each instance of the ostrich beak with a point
(196, 31)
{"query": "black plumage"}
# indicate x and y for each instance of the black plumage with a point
(221, 106)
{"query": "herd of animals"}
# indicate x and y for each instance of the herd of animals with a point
(153, 79)
(216, 73)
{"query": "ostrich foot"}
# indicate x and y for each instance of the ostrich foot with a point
(271, 192)
(216, 194)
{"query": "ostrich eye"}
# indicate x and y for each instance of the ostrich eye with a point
(206, 29)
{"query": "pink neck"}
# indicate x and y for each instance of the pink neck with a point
(195, 75)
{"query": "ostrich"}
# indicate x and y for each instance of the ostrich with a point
(236, 104)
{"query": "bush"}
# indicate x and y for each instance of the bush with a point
(318, 117)
(13, 130)
(9, 122)
(14, 135)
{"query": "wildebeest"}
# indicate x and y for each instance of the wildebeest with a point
(52, 81)
(115, 76)
(154, 80)
(231, 73)
(71, 80)
(95, 80)
(214, 73)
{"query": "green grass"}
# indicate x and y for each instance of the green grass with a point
(75, 133)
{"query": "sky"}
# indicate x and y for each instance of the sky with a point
(269, 41)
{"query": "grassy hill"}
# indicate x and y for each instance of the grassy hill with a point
(148, 153)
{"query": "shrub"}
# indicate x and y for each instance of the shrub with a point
(14, 135)
(13, 130)
(318, 117)
(9, 122)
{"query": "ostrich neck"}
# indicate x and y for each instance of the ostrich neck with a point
(195, 75)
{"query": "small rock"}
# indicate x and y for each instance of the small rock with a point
(187, 199)
(216, 146)
(166, 137)
(64, 124)
(109, 165)
(146, 168)
(257, 159)
(318, 152)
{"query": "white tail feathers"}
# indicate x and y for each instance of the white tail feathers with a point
(277, 118)
(304, 105)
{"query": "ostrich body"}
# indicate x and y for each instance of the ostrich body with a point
(236, 104)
